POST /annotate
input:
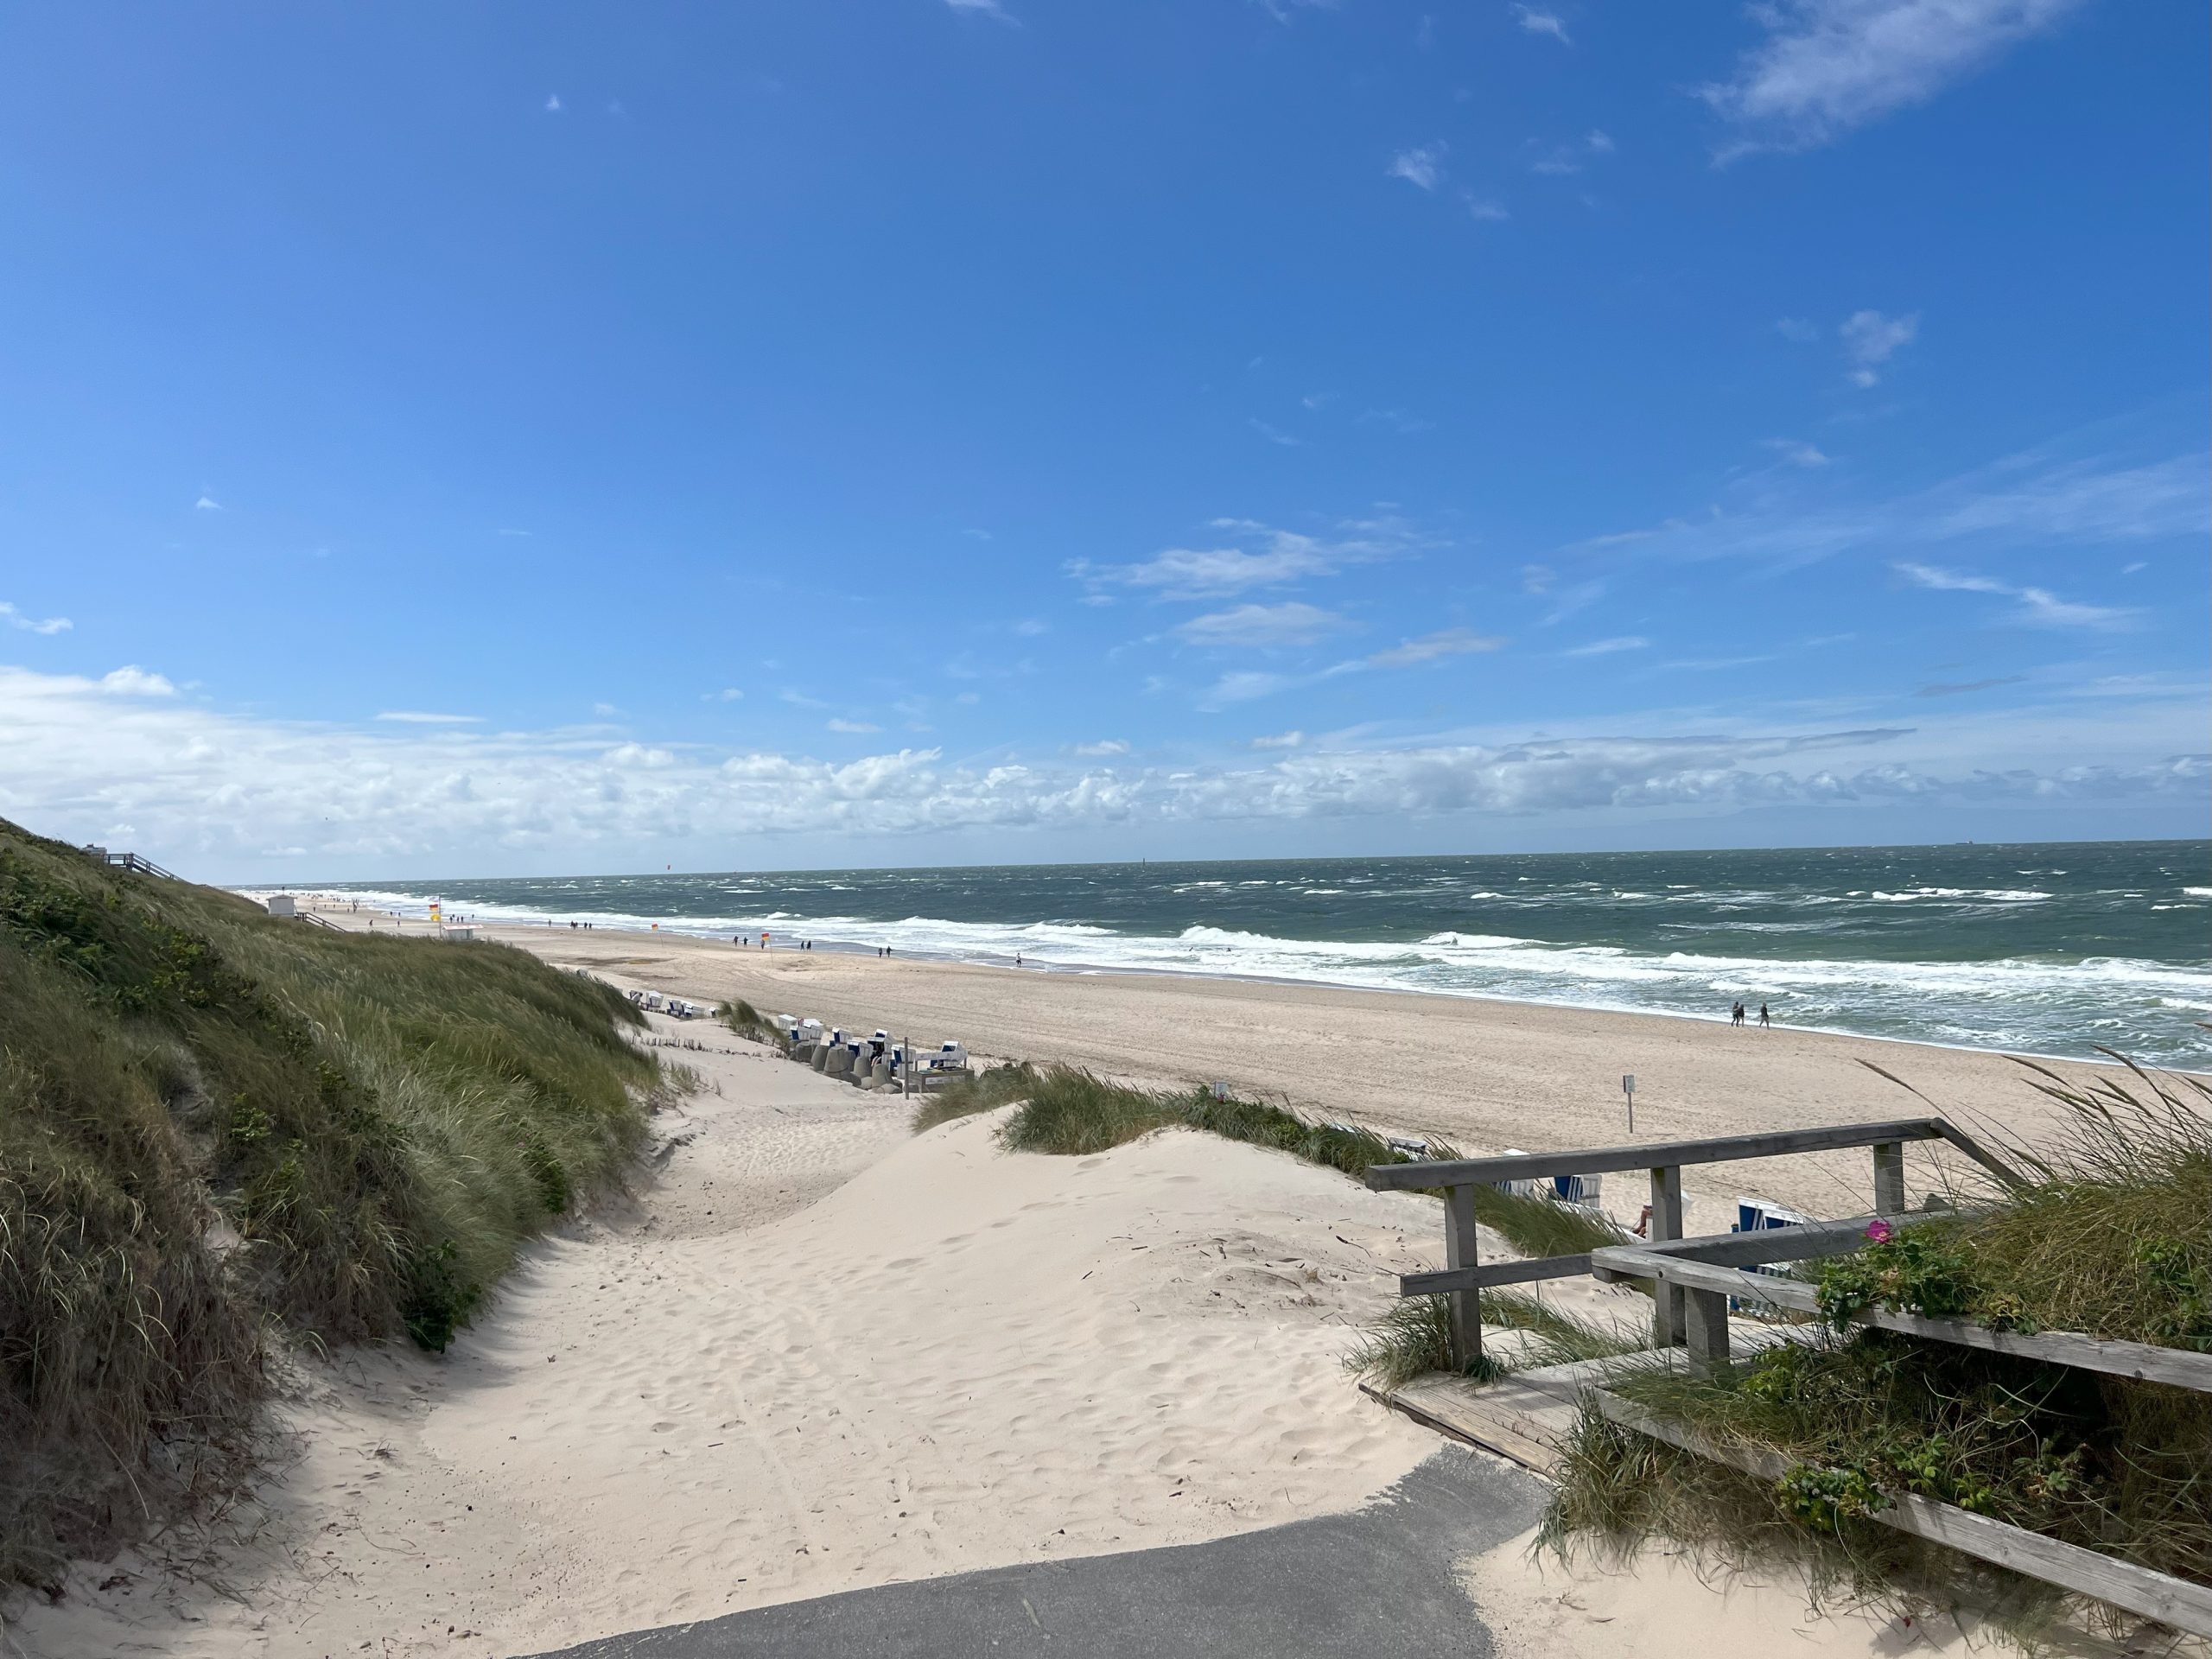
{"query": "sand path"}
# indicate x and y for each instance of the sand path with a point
(817, 1354)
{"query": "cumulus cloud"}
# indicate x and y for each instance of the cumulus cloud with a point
(851, 727)
(1289, 624)
(1423, 166)
(1269, 559)
(415, 717)
(553, 104)
(1870, 340)
(205, 788)
(133, 681)
(1827, 67)
(1279, 741)
(47, 625)
(208, 504)
(2037, 606)
(1104, 748)
(728, 694)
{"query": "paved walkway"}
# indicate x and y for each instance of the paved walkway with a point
(1375, 1582)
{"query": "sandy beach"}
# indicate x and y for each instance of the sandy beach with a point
(1485, 1076)
(812, 1352)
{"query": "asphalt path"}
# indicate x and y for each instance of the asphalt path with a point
(1376, 1581)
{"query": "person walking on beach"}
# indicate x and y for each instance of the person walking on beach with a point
(1765, 1023)
(1736, 1015)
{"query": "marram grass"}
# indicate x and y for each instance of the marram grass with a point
(211, 1120)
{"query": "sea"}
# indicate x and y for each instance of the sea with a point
(2054, 949)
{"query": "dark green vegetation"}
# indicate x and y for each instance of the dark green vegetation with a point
(1072, 1112)
(2109, 1234)
(214, 1122)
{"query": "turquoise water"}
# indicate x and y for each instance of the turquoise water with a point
(2050, 949)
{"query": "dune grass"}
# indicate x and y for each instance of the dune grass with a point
(2107, 1234)
(1073, 1112)
(746, 1021)
(211, 1120)
(980, 1091)
(1413, 1339)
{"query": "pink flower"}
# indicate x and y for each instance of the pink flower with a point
(1879, 1231)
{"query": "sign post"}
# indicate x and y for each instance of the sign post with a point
(1628, 1088)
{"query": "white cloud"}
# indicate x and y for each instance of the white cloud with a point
(208, 504)
(1279, 557)
(553, 104)
(1827, 67)
(1484, 208)
(1104, 747)
(728, 694)
(48, 624)
(605, 710)
(1600, 142)
(2037, 608)
(982, 9)
(1276, 435)
(1797, 452)
(1870, 340)
(411, 717)
(1780, 520)
(1447, 642)
(135, 682)
(852, 727)
(1423, 166)
(1279, 741)
(1030, 627)
(1289, 624)
(209, 793)
(514, 532)
(1543, 22)
(1608, 647)
(1243, 686)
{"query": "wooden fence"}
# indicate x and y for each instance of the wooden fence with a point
(1695, 1279)
(1464, 1277)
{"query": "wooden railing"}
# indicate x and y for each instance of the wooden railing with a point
(1695, 1279)
(1464, 1276)
(133, 863)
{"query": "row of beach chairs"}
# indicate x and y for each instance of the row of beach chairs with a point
(872, 1062)
(675, 1008)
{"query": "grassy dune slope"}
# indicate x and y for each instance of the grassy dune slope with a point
(211, 1120)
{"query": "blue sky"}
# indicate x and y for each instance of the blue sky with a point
(505, 438)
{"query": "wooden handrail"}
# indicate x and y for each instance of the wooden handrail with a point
(1657, 1154)
(2185, 1605)
(2145, 1362)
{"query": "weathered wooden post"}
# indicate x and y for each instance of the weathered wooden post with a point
(1460, 1251)
(1704, 1317)
(1888, 1179)
(1666, 1224)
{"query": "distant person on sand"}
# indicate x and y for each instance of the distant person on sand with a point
(1764, 1021)
(1736, 1015)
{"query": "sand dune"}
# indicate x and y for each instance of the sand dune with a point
(957, 1358)
(813, 1353)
